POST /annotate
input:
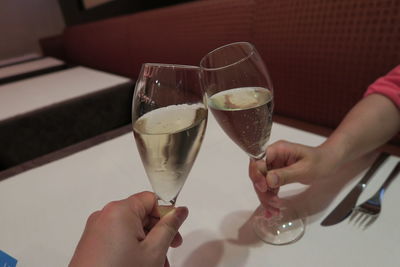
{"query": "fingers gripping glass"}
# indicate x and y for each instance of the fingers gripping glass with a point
(169, 120)
(240, 96)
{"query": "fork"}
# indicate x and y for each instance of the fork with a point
(367, 212)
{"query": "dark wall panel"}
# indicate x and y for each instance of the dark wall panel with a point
(75, 13)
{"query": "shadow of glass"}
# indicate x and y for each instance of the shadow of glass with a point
(199, 250)
(207, 254)
(232, 249)
(237, 229)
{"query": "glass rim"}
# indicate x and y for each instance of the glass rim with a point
(251, 53)
(167, 65)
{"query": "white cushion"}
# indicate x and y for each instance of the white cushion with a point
(27, 95)
(29, 66)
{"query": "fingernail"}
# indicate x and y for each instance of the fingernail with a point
(262, 185)
(181, 213)
(273, 180)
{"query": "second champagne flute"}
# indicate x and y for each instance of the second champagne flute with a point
(240, 96)
(169, 120)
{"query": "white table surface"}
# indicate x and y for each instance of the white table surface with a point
(43, 211)
(27, 95)
(25, 67)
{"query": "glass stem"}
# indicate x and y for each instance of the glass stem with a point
(164, 207)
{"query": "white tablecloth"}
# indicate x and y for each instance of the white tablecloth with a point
(43, 211)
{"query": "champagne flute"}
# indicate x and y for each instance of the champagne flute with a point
(169, 119)
(240, 96)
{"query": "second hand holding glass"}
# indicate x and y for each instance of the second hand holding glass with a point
(240, 96)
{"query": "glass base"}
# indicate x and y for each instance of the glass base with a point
(283, 229)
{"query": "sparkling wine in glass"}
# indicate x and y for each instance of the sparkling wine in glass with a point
(240, 96)
(169, 119)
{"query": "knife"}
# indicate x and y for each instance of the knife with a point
(345, 207)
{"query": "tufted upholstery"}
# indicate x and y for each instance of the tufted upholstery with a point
(324, 53)
(321, 54)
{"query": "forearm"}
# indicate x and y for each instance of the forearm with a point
(371, 123)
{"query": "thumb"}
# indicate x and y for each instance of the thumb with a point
(282, 176)
(162, 234)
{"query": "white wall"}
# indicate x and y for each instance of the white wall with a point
(24, 22)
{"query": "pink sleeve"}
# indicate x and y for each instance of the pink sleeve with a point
(388, 85)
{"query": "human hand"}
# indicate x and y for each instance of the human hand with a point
(129, 233)
(288, 163)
